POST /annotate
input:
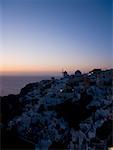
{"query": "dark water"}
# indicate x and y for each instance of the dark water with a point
(13, 84)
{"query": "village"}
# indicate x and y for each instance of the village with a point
(67, 113)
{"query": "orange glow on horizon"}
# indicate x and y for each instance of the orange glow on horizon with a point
(16, 69)
(25, 69)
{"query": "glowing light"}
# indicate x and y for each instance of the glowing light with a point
(61, 90)
(110, 148)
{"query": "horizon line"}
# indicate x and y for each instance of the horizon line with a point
(49, 73)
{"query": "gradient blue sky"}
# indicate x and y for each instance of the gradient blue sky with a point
(44, 36)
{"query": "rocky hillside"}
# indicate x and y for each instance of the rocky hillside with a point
(73, 113)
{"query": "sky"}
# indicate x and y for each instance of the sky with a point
(48, 36)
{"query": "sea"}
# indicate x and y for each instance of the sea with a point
(13, 84)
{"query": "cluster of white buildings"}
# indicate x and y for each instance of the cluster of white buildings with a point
(42, 125)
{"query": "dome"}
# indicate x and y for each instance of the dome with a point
(78, 73)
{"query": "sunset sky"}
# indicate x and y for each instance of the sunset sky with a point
(46, 36)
